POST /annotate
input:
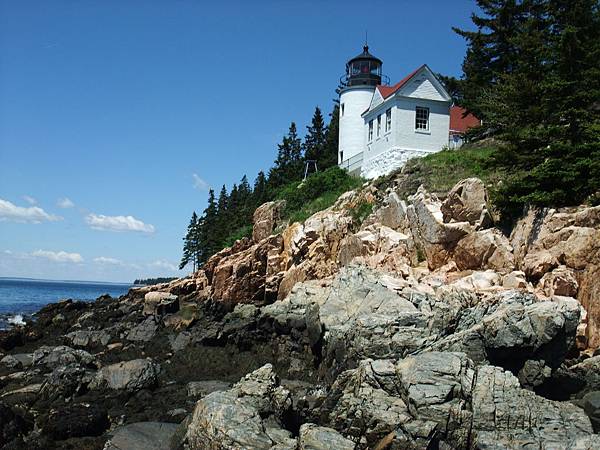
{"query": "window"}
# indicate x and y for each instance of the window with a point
(342, 110)
(370, 130)
(378, 125)
(388, 120)
(422, 118)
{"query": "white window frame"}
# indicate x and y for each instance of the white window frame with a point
(388, 120)
(379, 125)
(421, 119)
(370, 136)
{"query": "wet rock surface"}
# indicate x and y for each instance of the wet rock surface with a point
(420, 328)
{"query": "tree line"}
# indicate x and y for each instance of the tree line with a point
(228, 216)
(532, 74)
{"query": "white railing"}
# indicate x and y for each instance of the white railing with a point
(352, 164)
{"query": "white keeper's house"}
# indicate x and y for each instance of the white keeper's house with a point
(382, 125)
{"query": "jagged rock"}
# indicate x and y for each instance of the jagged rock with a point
(18, 360)
(75, 421)
(314, 437)
(142, 436)
(561, 281)
(506, 416)
(437, 238)
(197, 389)
(62, 355)
(515, 280)
(246, 416)
(129, 375)
(467, 202)
(546, 238)
(591, 406)
(486, 249)
(160, 303)
(88, 338)
(144, 331)
(64, 381)
(266, 217)
(12, 425)
(368, 394)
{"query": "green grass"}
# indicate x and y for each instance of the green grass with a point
(318, 192)
(439, 172)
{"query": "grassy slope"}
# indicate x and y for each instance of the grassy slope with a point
(439, 172)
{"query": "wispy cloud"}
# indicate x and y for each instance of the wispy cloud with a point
(108, 260)
(117, 223)
(60, 256)
(199, 183)
(65, 203)
(30, 200)
(162, 264)
(24, 214)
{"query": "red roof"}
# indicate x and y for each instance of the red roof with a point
(386, 91)
(459, 122)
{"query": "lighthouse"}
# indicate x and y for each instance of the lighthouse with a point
(363, 74)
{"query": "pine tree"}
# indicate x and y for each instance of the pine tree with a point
(491, 52)
(260, 193)
(330, 153)
(246, 206)
(222, 229)
(190, 244)
(289, 162)
(208, 239)
(315, 140)
(532, 74)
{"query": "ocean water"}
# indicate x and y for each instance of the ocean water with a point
(21, 297)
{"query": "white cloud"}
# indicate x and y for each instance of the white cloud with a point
(65, 203)
(117, 223)
(30, 200)
(31, 214)
(162, 264)
(108, 260)
(8, 252)
(61, 256)
(199, 183)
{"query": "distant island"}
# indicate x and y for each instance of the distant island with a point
(151, 281)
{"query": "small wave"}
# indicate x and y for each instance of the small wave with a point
(16, 320)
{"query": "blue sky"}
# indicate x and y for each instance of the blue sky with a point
(115, 116)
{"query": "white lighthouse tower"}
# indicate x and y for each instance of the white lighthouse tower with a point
(363, 74)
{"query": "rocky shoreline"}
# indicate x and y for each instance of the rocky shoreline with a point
(422, 327)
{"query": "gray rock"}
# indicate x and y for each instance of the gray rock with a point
(143, 332)
(197, 389)
(591, 406)
(246, 416)
(62, 355)
(313, 437)
(18, 360)
(129, 375)
(142, 436)
(160, 303)
(88, 338)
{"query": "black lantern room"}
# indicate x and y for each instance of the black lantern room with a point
(364, 69)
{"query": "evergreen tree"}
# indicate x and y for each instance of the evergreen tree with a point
(246, 205)
(490, 50)
(190, 244)
(288, 165)
(222, 229)
(260, 193)
(208, 239)
(532, 74)
(315, 140)
(330, 153)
